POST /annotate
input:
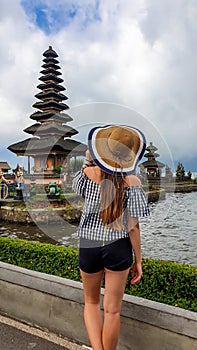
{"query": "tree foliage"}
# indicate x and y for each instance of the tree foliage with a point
(76, 164)
(180, 172)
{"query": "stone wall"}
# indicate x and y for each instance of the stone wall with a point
(56, 304)
(23, 214)
(20, 212)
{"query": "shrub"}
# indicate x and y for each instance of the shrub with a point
(163, 281)
(167, 282)
(47, 258)
(57, 169)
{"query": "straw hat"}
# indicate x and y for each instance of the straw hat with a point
(116, 149)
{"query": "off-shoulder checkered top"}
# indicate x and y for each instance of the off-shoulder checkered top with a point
(91, 226)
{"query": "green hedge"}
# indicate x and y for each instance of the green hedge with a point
(166, 282)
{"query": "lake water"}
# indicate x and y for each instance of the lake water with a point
(170, 233)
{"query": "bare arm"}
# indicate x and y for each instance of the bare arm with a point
(134, 235)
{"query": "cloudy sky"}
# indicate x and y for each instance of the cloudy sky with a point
(138, 54)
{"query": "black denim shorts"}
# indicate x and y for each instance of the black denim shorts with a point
(115, 256)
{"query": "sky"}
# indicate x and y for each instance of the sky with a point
(139, 55)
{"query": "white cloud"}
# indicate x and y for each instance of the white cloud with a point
(140, 54)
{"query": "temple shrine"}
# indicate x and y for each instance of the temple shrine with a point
(4, 167)
(151, 168)
(51, 144)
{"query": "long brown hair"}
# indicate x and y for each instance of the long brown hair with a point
(112, 192)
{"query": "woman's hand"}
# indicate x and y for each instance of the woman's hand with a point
(136, 272)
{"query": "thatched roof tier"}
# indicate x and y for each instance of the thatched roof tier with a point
(50, 104)
(50, 60)
(52, 115)
(54, 128)
(51, 85)
(50, 70)
(34, 146)
(51, 78)
(50, 65)
(32, 129)
(51, 129)
(152, 164)
(51, 93)
(20, 147)
(50, 53)
(151, 155)
(151, 148)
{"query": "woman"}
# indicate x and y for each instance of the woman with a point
(109, 228)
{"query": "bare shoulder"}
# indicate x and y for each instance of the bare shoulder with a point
(133, 180)
(93, 173)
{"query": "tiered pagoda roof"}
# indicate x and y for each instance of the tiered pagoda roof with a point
(50, 130)
(152, 155)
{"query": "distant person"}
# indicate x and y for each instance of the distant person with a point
(19, 177)
(2, 178)
(3, 186)
(109, 230)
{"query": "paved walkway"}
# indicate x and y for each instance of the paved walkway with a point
(15, 335)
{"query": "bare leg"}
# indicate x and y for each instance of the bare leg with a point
(92, 312)
(115, 282)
